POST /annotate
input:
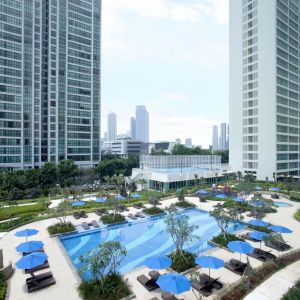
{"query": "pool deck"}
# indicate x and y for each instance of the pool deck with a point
(67, 279)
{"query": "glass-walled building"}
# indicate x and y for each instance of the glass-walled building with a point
(49, 82)
(170, 172)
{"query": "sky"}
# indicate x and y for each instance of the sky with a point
(170, 55)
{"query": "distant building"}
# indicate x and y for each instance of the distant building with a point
(178, 141)
(111, 127)
(215, 138)
(223, 136)
(126, 147)
(133, 128)
(142, 124)
(188, 142)
(163, 146)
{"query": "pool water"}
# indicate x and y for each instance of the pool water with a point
(143, 239)
(282, 204)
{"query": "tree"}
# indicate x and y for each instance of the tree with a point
(239, 175)
(260, 206)
(102, 260)
(67, 171)
(61, 212)
(225, 216)
(142, 182)
(111, 167)
(181, 194)
(181, 231)
(274, 177)
(48, 176)
(244, 189)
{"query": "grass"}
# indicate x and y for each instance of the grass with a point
(293, 293)
(297, 215)
(112, 219)
(61, 228)
(220, 240)
(153, 211)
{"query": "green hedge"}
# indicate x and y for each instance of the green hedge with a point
(293, 293)
(297, 215)
(219, 239)
(259, 228)
(185, 204)
(112, 219)
(153, 211)
(61, 228)
(295, 196)
(3, 287)
(10, 225)
(182, 261)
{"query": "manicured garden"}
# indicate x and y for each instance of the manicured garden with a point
(112, 219)
(293, 293)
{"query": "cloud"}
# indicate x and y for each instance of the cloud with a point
(174, 96)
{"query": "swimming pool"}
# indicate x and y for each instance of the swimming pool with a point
(282, 204)
(142, 239)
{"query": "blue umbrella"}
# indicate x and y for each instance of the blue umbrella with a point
(158, 262)
(280, 229)
(238, 199)
(100, 200)
(119, 197)
(202, 192)
(136, 196)
(30, 246)
(174, 283)
(256, 203)
(32, 260)
(221, 196)
(209, 262)
(78, 203)
(275, 189)
(26, 233)
(258, 223)
(240, 247)
(258, 188)
(258, 235)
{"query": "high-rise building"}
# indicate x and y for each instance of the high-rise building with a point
(111, 127)
(178, 141)
(142, 124)
(132, 129)
(49, 82)
(188, 142)
(223, 136)
(215, 138)
(264, 87)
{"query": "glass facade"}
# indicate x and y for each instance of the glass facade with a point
(49, 82)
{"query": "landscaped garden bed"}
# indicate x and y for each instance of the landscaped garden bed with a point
(220, 239)
(153, 211)
(185, 204)
(112, 219)
(61, 228)
(182, 261)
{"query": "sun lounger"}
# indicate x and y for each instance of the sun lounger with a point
(140, 215)
(262, 255)
(77, 215)
(95, 224)
(40, 250)
(168, 296)
(236, 266)
(149, 284)
(38, 285)
(279, 246)
(45, 265)
(154, 274)
(155, 298)
(206, 284)
(100, 212)
(83, 214)
(132, 217)
(85, 226)
(39, 277)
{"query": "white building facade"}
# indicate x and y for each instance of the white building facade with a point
(111, 127)
(215, 138)
(264, 87)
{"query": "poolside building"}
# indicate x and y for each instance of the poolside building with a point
(49, 82)
(264, 87)
(170, 172)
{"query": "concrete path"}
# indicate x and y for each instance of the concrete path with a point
(277, 285)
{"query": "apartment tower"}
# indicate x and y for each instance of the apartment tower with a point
(264, 87)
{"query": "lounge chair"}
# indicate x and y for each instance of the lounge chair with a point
(139, 215)
(154, 274)
(275, 196)
(279, 246)
(83, 214)
(100, 212)
(138, 205)
(206, 284)
(39, 277)
(95, 224)
(262, 255)
(168, 296)
(149, 284)
(155, 298)
(76, 215)
(236, 266)
(132, 217)
(40, 250)
(43, 266)
(85, 226)
(38, 285)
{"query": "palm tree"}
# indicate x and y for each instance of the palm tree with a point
(239, 175)
(274, 177)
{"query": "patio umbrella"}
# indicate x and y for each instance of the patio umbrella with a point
(221, 196)
(258, 188)
(78, 203)
(26, 233)
(32, 260)
(119, 197)
(259, 223)
(202, 192)
(136, 196)
(258, 235)
(158, 262)
(30, 246)
(209, 262)
(275, 189)
(280, 229)
(240, 247)
(238, 199)
(174, 283)
(256, 203)
(101, 200)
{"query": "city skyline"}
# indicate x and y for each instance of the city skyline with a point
(150, 53)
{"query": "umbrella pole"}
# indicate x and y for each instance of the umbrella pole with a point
(240, 257)
(208, 275)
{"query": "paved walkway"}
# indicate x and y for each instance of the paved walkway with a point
(277, 285)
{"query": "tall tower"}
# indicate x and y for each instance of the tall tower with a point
(215, 138)
(142, 123)
(132, 128)
(111, 127)
(264, 87)
(49, 82)
(223, 136)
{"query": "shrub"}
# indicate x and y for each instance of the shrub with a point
(112, 219)
(219, 239)
(9, 225)
(259, 228)
(3, 287)
(113, 288)
(293, 293)
(295, 196)
(153, 211)
(297, 215)
(61, 228)
(182, 261)
(185, 204)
